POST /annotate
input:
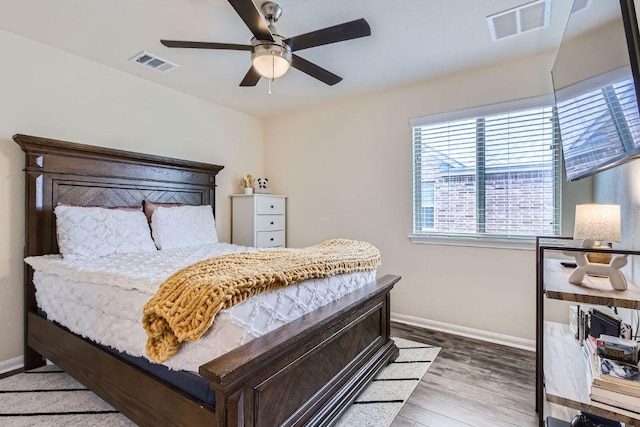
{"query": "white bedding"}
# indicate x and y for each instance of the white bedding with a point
(102, 299)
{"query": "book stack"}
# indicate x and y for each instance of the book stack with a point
(616, 383)
(613, 371)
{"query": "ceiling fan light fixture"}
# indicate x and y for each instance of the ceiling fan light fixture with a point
(271, 60)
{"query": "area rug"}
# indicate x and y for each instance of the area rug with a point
(383, 398)
(49, 397)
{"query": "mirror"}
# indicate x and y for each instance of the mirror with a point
(595, 78)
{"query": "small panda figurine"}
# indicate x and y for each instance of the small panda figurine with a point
(262, 186)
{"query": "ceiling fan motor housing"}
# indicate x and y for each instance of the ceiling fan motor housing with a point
(272, 12)
(267, 47)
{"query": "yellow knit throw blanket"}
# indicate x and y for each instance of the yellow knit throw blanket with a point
(187, 302)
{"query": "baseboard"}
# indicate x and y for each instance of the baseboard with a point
(493, 337)
(11, 364)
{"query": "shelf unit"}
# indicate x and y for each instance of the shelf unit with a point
(561, 370)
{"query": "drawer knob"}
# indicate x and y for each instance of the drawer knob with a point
(271, 223)
(272, 239)
(271, 206)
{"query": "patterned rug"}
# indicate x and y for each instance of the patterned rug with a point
(49, 397)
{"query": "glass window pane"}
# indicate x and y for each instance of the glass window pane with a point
(495, 175)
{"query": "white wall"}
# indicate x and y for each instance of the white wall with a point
(347, 169)
(49, 93)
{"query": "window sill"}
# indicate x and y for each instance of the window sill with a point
(525, 244)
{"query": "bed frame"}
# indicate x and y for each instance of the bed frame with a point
(304, 373)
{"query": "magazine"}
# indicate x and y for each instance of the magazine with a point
(617, 369)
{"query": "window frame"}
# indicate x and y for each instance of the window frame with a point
(479, 239)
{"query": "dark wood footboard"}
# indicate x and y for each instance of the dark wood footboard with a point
(304, 373)
(309, 371)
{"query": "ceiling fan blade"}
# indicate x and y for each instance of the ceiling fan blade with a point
(252, 18)
(337, 33)
(205, 45)
(315, 71)
(252, 78)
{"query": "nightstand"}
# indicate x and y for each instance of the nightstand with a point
(259, 220)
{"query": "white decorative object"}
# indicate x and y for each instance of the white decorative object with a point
(259, 220)
(262, 186)
(183, 226)
(595, 223)
(96, 232)
(247, 182)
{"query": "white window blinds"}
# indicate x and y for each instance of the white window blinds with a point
(495, 175)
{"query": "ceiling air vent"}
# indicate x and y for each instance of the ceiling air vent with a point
(527, 17)
(152, 61)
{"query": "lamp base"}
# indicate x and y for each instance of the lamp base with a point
(599, 258)
(610, 270)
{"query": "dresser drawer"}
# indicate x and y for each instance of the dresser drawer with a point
(270, 205)
(269, 222)
(266, 239)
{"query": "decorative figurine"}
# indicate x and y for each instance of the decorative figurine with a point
(611, 270)
(262, 186)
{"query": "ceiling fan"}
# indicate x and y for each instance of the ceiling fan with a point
(271, 53)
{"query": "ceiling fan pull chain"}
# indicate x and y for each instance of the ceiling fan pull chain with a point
(273, 72)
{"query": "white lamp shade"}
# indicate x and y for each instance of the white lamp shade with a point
(271, 66)
(600, 222)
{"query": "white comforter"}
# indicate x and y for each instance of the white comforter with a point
(102, 299)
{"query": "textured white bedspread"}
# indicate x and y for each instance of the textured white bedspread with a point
(102, 299)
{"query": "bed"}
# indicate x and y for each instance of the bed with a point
(304, 373)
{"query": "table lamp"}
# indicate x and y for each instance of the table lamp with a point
(596, 223)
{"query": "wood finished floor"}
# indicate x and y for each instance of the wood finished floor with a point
(471, 383)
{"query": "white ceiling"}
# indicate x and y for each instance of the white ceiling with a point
(411, 41)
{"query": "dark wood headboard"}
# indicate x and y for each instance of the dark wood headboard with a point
(85, 175)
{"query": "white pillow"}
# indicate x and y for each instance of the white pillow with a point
(183, 226)
(94, 232)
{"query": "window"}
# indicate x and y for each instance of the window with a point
(491, 175)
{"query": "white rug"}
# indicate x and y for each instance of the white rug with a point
(381, 401)
(49, 397)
